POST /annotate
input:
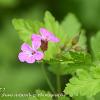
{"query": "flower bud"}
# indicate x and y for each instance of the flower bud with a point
(75, 40)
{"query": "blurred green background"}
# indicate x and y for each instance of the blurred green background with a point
(22, 77)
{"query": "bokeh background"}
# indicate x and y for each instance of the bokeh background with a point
(18, 77)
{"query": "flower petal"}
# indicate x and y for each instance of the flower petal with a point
(46, 35)
(53, 38)
(36, 37)
(36, 41)
(26, 47)
(30, 59)
(22, 56)
(36, 45)
(38, 55)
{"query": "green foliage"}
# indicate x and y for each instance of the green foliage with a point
(71, 26)
(63, 98)
(65, 32)
(69, 62)
(84, 98)
(80, 60)
(68, 28)
(82, 40)
(96, 46)
(13, 72)
(84, 83)
(53, 26)
(26, 28)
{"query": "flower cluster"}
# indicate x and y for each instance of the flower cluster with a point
(30, 54)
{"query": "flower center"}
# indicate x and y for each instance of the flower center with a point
(33, 53)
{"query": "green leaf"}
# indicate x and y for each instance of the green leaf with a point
(97, 97)
(96, 46)
(82, 40)
(65, 32)
(57, 66)
(71, 26)
(84, 83)
(83, 98)
(80, 60)
(69, 62)
(63, 98)
(41, 95)
(26, 28)
(81, 57)
(53, 26)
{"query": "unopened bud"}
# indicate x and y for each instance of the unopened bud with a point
(77, 48)
(75, 40)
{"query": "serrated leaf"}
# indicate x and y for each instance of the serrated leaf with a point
(96, 72)
(82, 40)
(96, 46)
(26, 28)
(71, 26)
(84, 83)
(69, 62)
(81, 57)
(79, 61)
(53, 26)
(57, 66)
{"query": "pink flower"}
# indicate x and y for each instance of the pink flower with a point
(36, 40)
(44, 38)
(30, 54)
(48, 36)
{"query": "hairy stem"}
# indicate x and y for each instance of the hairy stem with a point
(58, 84)
(47, 79)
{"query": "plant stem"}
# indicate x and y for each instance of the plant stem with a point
(58, 84)
(47, 79)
